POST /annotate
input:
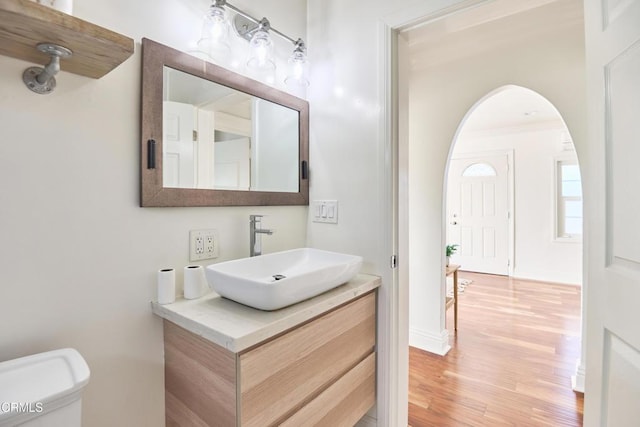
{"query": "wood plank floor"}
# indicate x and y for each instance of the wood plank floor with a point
(511, 360)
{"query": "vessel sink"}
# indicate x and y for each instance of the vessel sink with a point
(273, 281)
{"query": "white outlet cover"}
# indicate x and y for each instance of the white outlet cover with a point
(203, 244)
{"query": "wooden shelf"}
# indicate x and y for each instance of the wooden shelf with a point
(96, 50)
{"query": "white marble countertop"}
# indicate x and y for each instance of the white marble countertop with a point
(237, 327)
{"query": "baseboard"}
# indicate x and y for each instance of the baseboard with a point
(367, 421)
(433, 343)
(518, 275)
(577, 380)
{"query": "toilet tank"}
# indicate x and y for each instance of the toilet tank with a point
(43, 390)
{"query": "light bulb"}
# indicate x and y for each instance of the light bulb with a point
(261, 47)
(297, 68)
(218, 23)
(297, 74)
(215, 33)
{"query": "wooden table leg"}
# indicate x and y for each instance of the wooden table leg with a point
(455, 300)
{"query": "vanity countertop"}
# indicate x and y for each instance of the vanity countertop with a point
(237, 327)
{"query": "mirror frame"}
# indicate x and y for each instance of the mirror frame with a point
(152, 193)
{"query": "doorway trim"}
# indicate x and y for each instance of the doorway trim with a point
(393, 364)
(392, 401)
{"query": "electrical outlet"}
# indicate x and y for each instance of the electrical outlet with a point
(199, 245)
(203, 244)
(209, 244)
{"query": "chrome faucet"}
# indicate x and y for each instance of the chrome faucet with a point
(255, 234)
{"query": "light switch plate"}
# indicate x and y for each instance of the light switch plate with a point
(325, 211)
(203, 244)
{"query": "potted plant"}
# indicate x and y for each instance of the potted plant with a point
(451, 249)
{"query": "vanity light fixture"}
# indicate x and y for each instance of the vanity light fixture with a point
(215, 31)
(298, 73)
(258, 34)
(42, 80)
(261, 48)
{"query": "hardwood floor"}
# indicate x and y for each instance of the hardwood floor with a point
(511, 360)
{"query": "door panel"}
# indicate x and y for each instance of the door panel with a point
(489, 242)
(489, 198)
(623, 91)
(466, 203)
(178, 146)
(233, 164)
(466, 242)
(612, 208)
(621, 382)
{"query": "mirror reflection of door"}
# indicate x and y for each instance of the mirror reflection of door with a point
(179, 145)
(478, 213)
(216, 137)
(232, 170)
(196, 155)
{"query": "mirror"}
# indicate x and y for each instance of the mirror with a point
(211, 137)
(217, 137)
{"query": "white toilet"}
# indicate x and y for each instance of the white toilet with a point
(43, 390)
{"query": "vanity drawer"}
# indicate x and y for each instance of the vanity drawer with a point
(344, 402)
(280, 377)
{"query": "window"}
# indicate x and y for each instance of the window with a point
(568, 200)
(479, 169)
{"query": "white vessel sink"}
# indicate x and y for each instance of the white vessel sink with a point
(276, 280)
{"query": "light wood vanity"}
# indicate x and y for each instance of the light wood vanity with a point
(309, 364)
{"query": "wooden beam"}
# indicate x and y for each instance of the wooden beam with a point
(96, 50)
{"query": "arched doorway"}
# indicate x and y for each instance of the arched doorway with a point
(441, 91)
(514, 195)
(518, 338)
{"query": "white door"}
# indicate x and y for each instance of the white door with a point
(478, 213)
(612, 200)
(233, 164)
(178, 162)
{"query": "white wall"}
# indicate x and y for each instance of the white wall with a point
(351, 149)
(551, 64)
(538, 255)
(78, 256)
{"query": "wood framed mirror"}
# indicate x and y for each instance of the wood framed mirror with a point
(212, 137)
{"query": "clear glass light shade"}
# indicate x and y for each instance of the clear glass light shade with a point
(215, 33)
(298, 72)
(261, 51)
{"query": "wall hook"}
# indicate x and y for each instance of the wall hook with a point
(41, 80)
